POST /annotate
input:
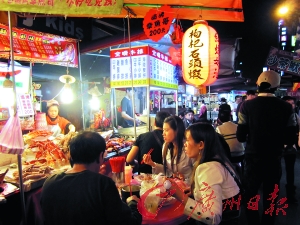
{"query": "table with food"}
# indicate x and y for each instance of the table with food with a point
(43, 156)
(157, 205)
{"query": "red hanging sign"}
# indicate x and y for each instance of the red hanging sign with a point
(157, 22)
(39, 47)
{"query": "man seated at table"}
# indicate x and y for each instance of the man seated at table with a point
(83, 196)
(149, 140)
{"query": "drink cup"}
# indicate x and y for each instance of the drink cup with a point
(128, 174)
(125, 191)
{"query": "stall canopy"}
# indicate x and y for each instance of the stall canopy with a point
(107, 28)
(218, 10)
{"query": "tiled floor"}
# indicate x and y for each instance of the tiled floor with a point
(292, 216)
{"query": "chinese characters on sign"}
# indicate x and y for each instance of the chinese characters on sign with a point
(121, 74)
(39, 47)
(24, 103)
(64, 7)
(161, 70)
(157, 22)
(200, 54)
(284, 61)
(146, 63)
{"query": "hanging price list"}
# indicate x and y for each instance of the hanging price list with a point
(24, 103)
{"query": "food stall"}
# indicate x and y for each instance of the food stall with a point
(150, 74)
(121, 10)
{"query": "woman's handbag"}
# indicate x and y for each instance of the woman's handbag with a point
(231, 206)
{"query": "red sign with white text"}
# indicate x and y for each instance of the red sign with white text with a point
(39, 47)
(157, 22)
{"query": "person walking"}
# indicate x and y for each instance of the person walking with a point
(266, 123)
(289, 154)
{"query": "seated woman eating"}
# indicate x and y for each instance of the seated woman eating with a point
(175, 161)
(211, 181)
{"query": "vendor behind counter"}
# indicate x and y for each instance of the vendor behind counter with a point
(56, 123)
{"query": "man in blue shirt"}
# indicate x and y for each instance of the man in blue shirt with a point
(127, 111)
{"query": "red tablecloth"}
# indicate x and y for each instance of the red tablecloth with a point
(168, 215)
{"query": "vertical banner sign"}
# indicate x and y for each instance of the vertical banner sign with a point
(200, 54)
(39, 47)
(157, 22)
(64, 7)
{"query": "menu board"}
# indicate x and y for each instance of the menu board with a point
(161, 70)
(120, 69)
(149, 67)
(24, 103)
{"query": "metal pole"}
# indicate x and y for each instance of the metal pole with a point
(31, 91)
(113, 109)
(15, 114)
(148, 107)
(81, 88)
(133, 95)
(209, 102)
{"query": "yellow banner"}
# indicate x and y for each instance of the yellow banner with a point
(128, 83)
(64, 7)
(159, 83)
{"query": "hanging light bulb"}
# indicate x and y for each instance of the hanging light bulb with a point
(67, 96)
(94, 103)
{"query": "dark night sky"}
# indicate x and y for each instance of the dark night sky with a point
(258, 32)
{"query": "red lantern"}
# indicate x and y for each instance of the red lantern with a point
(200, 54)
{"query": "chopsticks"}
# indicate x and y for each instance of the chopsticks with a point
(150, 151)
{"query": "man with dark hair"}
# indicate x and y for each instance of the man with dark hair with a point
(188, 117)
(250, 94)
(145, 142)
(83, 196)
(127, 110)
(266, 123)
(224, 108)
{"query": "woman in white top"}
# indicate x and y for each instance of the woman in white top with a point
(211, 182)
(175, 161)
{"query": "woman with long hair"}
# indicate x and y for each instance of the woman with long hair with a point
(211, 182)
(175, 161)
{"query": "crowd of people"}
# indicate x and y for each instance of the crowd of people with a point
(230, 162)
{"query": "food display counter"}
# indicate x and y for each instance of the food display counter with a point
(150, 74)
(36, 169)
(45, 155)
